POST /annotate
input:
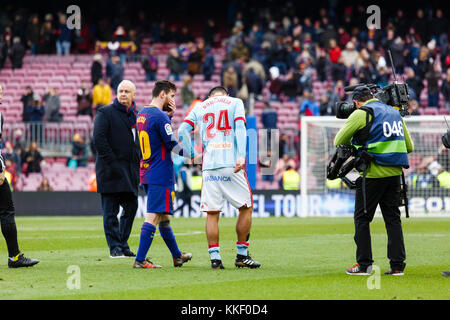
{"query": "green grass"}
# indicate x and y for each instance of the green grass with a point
(301, 259)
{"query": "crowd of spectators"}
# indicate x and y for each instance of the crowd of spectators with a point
(281, 50)
(20, 158)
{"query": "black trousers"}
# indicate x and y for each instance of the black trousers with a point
(7, 220)
(386, 193)
(6, 202)
(118, 231)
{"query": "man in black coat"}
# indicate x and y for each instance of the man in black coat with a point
(117, 167)
(8, 226)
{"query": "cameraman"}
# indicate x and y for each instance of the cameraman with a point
(380, 130)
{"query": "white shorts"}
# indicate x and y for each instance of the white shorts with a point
(223, 184)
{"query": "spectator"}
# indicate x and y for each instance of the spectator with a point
(32, 159)
(208, 64)
(334, 52)
(439, 25)
(308, 106)
(33, 33)
(424, 63)
(414, 83)
(326, 109)
(344, 37)
(413, 109)
(397, 48)
(276, 84)
(266, 164)
(423, 178)
(278, 55)
(79, 151)
(350, 55)
(445, 89)
(269, 118)
(11, 173)
(322, 66)
(64, 37)
(305, 75)
(150, 66)
(184, 36)
(210, 32)
(96, 69)
(291, 87)
(101, 95)
(35, 109)
(114, 71)
(174, 64)
(187, 94)
(194, 61)
(241, 51)
(47, 38)
(230, 81)
(45, 185)
(432, 77)
(254, 82)
(26, 100)
(17, 53)
(367, 73)
(383, 77)
(84, 100)
(19, 142)
(420, 25)
(12, 155)
(293, 54)
(52, 103)
(283, 147)
(339, 70)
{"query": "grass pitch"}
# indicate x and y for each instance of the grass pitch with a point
(302, 258)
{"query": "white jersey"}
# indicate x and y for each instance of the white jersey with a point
(215, 118)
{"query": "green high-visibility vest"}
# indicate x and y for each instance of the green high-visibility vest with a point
(291, 180)
(444, 179)
(334, 184)
(196, 182)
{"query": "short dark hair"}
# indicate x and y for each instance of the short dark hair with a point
(163, 85)
(220, 89)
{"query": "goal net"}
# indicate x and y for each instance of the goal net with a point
(427, 178)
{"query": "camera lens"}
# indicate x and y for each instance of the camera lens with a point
(344, 110)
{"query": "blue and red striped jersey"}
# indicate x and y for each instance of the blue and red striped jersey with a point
(155, 138)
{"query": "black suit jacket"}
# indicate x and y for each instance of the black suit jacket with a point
(118, 152)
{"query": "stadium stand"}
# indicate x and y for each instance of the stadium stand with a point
(66, 73)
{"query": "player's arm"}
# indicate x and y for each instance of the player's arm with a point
(240, 136)
(166, 133)
(185, 129)
(101, 131)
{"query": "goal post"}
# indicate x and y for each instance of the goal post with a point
(428, 191)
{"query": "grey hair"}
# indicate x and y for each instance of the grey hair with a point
(133, 87)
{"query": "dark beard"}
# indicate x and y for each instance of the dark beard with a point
(166, 108)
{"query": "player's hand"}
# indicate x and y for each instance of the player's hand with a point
(198, 160)
(172, 106)
(240, 164)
